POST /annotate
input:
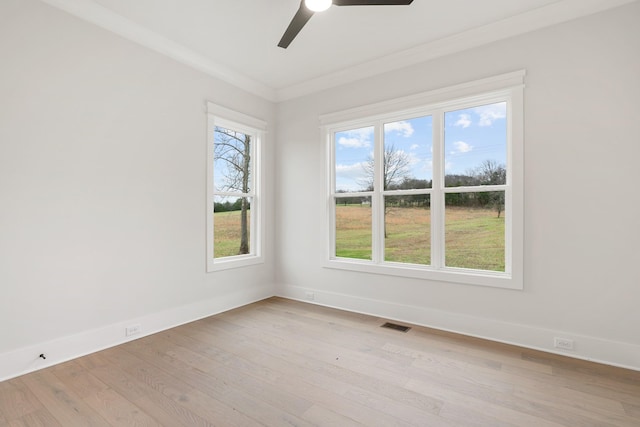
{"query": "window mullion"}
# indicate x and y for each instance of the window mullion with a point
(330, 180)
(254, 167)
(377, 201)
(437, 197)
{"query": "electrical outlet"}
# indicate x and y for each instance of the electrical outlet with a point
(132, 330)
(310, 296)
(563, 343)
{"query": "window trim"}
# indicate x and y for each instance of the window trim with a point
(223, 117)
(506, 87)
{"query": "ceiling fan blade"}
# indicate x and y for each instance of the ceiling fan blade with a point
(299, 20)
(372, 2)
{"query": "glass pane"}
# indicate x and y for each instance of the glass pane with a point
(408, 161)
(353, 227)
(474, 230)
(476, 145)
(354, 160)
(231, 226)
(231, 161)
(407, 229)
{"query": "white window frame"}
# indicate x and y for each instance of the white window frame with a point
(506, 87)
(219, 116)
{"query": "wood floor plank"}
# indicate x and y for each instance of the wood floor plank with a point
(250, 384)
(112, 406)
(632, 410)
(317, 371)
(167, 410)
(63, 404)
(174, 387)
(395, 408)
(464, 409)
(78, 378)
(40, 418)
(16, 401)
(318, 349)
(598, 411)
(320, 416)
(426, 337)
(359, 341)
(287, 363)
(222, 386)
(117, 410)
(319, 392)
(543, 410)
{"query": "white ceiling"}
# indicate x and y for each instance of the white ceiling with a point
(236, 40)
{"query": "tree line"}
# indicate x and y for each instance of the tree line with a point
(228, 206)
(397, 176)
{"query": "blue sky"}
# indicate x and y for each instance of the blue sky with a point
(472, 136)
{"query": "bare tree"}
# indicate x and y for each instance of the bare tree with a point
(491, 172)
(396, 168)
(234, 148)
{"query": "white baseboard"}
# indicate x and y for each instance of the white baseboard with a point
(25, 360)
(614, 353)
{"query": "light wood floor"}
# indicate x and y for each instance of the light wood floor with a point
(281, 363)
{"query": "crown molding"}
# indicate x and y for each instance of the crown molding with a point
(555, 13)
(105, 18)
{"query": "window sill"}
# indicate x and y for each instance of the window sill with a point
(453, 275)
(233, 262)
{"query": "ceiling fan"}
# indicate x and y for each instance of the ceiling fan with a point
(309, 7)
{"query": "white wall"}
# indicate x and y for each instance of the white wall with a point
(102, 189)
(582, 102)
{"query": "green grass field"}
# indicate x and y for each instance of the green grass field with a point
(226, 233)
(474, 238)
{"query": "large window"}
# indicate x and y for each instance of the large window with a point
(433, 190)
(233, 184)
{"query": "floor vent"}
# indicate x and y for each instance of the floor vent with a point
(396, 327)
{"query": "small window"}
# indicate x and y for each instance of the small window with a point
(233, 197)
(433, 191)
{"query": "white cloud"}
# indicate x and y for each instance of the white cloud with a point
(420, 165)
(460, 147)
(490, 113)
(427, 166)
(448, 167)
(353, 171)
(353, 142)
(349, 177)
(412, 157)
(464, 120)
(357, 138)
(402, 128)
(414, 147)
